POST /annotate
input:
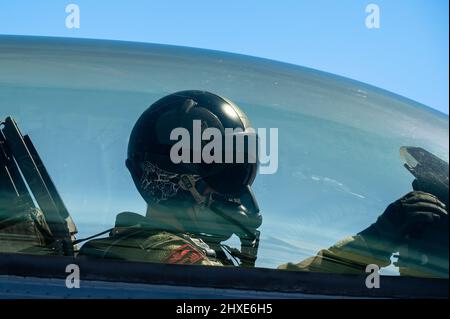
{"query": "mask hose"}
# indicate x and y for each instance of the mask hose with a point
(249, 237)
(249, 240)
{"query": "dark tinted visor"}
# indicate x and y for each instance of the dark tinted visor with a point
(232, 179)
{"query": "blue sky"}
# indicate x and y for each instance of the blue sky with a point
(408, 55)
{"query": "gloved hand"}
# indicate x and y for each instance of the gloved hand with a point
(408, 217)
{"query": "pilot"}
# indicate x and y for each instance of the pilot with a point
(194, 206)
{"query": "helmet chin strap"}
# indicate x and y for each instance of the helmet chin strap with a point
(187, 182)
(249, 237)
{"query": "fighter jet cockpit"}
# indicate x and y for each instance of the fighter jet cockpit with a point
(335, 180)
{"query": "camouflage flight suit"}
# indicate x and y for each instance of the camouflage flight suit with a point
(349, 256)
(138, 238)
(353, 254)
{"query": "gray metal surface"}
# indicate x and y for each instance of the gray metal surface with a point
(12, 287)
(46, 274)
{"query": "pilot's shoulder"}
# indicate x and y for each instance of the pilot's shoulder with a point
(137, 238)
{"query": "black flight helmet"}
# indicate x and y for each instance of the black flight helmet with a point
(159, 178)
